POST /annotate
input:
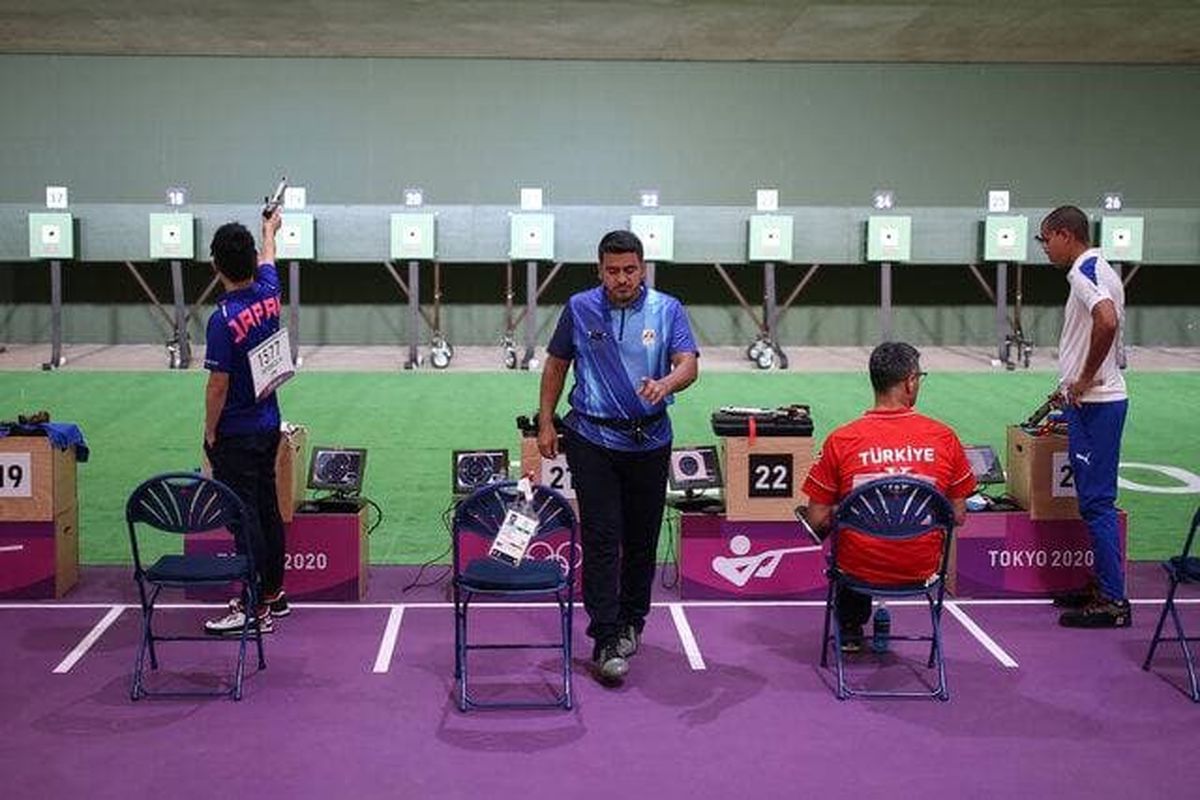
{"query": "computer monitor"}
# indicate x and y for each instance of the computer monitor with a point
(471, 469)
(985, 464)
(337, 469)
(695, 469)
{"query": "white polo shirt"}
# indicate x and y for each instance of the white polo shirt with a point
(1092, 279)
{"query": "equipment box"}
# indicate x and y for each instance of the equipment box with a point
(38, 479)
(39, 559)
(291, 469)
(39, 519)
(1040, 476)
(764, 476)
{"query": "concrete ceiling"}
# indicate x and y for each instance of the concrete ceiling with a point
(1086, 31)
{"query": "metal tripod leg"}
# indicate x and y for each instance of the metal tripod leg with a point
(885, 301)
(531, 293)
(56, 358)
(1001, 311)
(771, 313)
(294, 310)
(414, 314)
(181, 353)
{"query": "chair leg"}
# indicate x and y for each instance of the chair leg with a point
(1187, 654)
(135, 692)
(825, 633)
(833, 615)
(942, 692)
(240, 670)
(564, 610)
(464, 701)
(934, 614)
(149, 617)
(1162, 618)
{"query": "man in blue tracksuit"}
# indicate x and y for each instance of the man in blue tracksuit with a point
(632, 349)
(1095, 403)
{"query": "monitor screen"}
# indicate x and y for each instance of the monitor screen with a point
(337, 469)
(471, 469)
(695, 468)
(985, 464)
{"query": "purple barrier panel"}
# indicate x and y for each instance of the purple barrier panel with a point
(1006, 554)
(556, 545)
(719, 559)
(27, 560)
(325, 558)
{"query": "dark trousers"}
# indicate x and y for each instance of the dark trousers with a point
(854, 608)
(621, 497)
(246, 464)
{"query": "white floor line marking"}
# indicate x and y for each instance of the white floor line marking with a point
(387, 646)
(686, 637)
(50, 605)
(94, 634)
(987, 641)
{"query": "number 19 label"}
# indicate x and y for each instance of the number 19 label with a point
(15, 475)
(770, 475)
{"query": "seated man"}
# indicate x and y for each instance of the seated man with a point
(889, 439)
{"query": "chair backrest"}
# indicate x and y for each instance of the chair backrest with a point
(1191, 537)
(895, 508)
(482, 513)
(183, 503)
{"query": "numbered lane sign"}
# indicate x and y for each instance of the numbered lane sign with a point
(16, 479)
(271, 364)
(771, 475)
(1062, 475)
(557, 475)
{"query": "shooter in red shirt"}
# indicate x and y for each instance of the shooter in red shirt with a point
(889, 439)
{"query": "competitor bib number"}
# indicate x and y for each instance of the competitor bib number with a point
(513, 539)
(271, 363)
(15, 475)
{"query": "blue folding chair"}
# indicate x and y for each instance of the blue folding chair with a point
(481, 515)
(893, 509)
(187, 503)
(1183, 568)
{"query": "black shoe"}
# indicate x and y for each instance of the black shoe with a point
(852, 639)
(1080, 598)
(628, 641)
(1100, 613)
(610, 665)
(278, 604)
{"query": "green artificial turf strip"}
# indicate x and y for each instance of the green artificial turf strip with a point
(141, 423)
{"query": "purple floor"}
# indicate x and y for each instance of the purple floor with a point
(1076, 717)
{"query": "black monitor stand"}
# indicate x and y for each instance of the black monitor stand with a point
(333, 504)
(694, 502)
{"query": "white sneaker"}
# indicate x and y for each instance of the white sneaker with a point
(232, 623)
